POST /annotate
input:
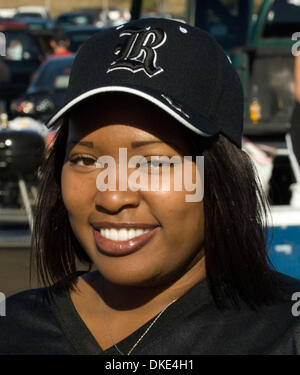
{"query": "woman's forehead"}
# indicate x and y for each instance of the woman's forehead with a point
(125, 116)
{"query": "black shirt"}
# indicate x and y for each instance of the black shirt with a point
(37, 324)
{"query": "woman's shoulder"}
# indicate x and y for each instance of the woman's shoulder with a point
(288, 286)
(289, 298)
(286, 293)
(36, 299)
(28, 297)
(26, 304)
(28, 321)
(24, 308)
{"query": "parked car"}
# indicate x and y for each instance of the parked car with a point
(46, 93)
(40, 28)
(21, 157)
(78, 35)
(23, 57)
(76, 18)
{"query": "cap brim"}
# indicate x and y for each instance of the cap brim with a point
(202, 126)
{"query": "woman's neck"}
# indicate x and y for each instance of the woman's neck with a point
(124, 297)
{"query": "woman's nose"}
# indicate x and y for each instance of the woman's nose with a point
(113, 190)
(115, 201)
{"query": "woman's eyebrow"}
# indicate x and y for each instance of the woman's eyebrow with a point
(143, 143)
(82, 143)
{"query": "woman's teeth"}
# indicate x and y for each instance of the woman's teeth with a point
(122, 234)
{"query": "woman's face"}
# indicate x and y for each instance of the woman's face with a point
(171, 231)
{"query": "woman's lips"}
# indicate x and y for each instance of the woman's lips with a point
(121, 248)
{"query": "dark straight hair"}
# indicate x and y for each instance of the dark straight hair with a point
(236, 232)
(237, 263)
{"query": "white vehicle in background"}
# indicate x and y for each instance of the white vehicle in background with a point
(33, 11)
(7, 12)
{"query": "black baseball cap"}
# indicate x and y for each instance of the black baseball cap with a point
(179, 68)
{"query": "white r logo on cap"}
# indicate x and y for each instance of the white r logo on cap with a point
(139, 53)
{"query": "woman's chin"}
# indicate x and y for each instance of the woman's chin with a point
(129, 277)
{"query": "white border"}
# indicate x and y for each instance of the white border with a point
(129, 91)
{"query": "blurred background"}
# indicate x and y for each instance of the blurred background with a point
(41, 40)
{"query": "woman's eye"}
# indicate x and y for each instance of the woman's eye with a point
(155, 166)
(82, 160)
(157, 163)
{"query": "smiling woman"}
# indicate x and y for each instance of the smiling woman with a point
(136, 123)
(171, 276)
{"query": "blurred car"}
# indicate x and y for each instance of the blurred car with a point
(78, 35)
(23, 57)
(46, 93)
(76, 18)
(40, 28)
(20, 159)
(34, 23)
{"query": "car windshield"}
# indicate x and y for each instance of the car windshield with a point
(282, 19)
(75, 20)
(31, 15)
(21, 46)
(53, 75)
(36, 26)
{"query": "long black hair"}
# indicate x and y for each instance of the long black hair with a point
(237, 263)
(236, 231)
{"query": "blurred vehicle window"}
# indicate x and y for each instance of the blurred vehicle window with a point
(78, 19)
(14, 50)
(82, 20)
(53, 75)
(283, 19)
(61, 81)
(21, 46)
(77, 36)
(36, 26)
(35, 23)
(27, 14)
(46, 93)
